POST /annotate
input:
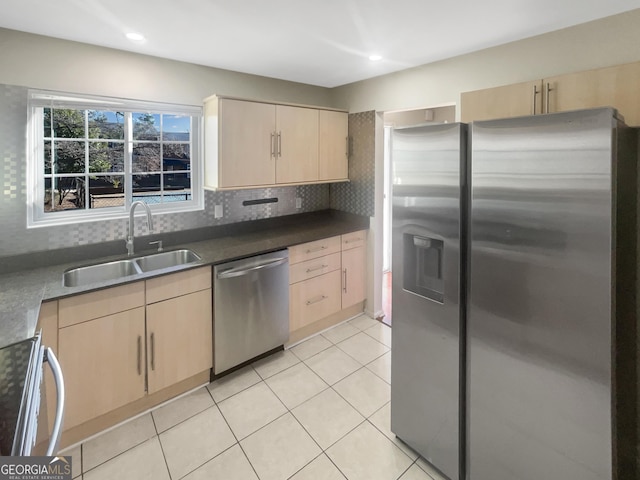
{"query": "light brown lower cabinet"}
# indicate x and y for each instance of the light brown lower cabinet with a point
(313, 299)
(179, 333)
(111, 360)
(327, 282)
(103, 364)
(353, 276)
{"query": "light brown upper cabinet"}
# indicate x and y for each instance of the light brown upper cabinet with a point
(616, 87)
(334, 146)
(296, 144)
(501, 102)
(256, 144)
(604, 87)
(246, 144)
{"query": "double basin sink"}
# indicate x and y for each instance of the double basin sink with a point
(103, 272)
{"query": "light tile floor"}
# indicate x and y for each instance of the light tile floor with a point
(318, 411)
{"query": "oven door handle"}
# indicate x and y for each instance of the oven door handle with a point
(57, 424)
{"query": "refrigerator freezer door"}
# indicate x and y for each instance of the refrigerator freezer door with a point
(426, 291)
(539, 318)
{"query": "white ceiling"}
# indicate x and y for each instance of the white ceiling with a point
(321, 42)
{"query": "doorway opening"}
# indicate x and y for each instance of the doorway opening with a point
(392, 120)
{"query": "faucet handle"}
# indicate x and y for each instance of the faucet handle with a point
(159, 242)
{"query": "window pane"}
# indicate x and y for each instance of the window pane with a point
(146, 186)
(146, 126)
(104, 124)
(175, 156)
(177, 187)
(68, 123)
(146, 157)
(64, 193)
(176, 128)
(69, 156)
(47, 156)
(106, 191)
(47, 122)
(106, 157)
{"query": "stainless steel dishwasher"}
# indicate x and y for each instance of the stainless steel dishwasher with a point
(251, 308)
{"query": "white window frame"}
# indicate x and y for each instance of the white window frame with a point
(40, 99)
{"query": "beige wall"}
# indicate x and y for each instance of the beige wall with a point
(609, 41)
(47, 63)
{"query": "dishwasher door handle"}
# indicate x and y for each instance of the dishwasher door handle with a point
(239, 272)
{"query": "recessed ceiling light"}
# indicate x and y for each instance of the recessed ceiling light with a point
(375, 58)
(135, 37)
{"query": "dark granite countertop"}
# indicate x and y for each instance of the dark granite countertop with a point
(25, 287)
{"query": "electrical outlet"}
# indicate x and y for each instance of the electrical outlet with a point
(298, 202)
(217, 211)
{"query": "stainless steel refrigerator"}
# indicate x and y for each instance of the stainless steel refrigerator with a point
(519, 308)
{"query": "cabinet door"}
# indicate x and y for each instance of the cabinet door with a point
(502, 102)
(246, 144)
(297, 144)
(333, 146)
(179, 339)
(353, 276)
(103, 364)
(604, 87)
(314, 299)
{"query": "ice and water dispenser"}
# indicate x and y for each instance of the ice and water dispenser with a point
(423, 257)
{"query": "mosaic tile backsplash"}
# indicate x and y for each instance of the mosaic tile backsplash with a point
(16, 239)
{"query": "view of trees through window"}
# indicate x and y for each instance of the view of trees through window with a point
(87, 154)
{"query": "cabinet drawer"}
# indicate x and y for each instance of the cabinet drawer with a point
(177, 284)
(319, 248)
(354, 239)
(313, 268)
(314, 299)
(92, 305)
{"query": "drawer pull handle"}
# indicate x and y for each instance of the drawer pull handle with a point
(344, 273)
(353, 240)
(317, 299)
(317, 249)
(319, 267)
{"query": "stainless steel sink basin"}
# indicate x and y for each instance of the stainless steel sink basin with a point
(103, 272)
(158, 261)
(100, 273)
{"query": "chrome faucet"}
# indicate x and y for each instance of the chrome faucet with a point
(149, 224)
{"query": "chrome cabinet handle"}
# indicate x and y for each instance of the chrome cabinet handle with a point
(279, 144)
(547, 93)
(344, 274)
(314, 269)
(273, 144)
(353, 240)
(243, 271)
(347, 149)
(317, 299)
(139, 357)
(535, 96)
(52, 449)
(317, 249)
(153, 352)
